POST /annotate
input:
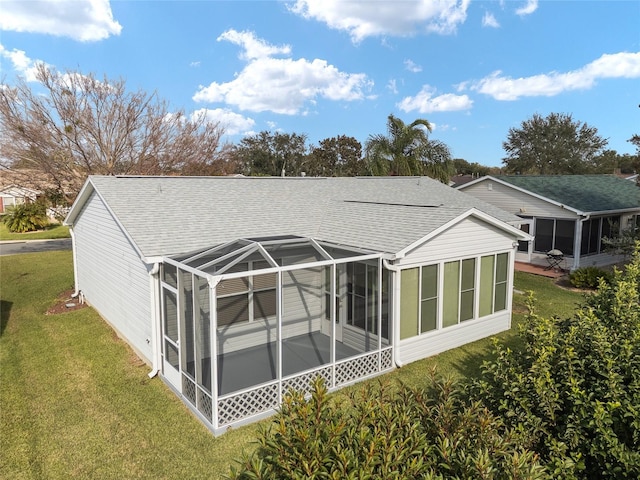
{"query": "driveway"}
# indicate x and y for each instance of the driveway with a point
(31, 246)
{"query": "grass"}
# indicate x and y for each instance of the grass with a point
(77, 403)
(53, 231)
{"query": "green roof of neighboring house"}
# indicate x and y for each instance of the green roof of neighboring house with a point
(586, 193)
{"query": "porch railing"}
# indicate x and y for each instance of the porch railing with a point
(240, 407)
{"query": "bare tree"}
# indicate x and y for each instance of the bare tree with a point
(80, 125)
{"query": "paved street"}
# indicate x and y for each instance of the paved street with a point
(13, 248)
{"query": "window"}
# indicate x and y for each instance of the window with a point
(458, 298)
(554, 234)
(429, 299)
(502, 274)
(248, 298)
(419, 300)
(446, 294)
(467, 289)
(594, 230)
(409, 306)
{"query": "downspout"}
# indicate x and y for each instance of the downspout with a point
(396, 299)
(74, 253)
(155, 330)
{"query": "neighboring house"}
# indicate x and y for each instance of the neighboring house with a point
(238, 289)
(569, 213)
(13, 195)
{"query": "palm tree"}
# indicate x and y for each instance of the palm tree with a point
(407, 150)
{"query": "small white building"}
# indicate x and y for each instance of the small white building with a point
(235, 290)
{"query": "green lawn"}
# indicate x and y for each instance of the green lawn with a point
(75, 402)
(52, 231)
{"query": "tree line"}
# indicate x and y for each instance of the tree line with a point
(72, 125)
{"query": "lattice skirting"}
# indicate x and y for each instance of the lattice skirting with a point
(237, 407)
(198, 397)
(246, 404)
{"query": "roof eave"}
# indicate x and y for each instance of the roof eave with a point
(472, 212)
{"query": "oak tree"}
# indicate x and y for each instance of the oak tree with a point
(552, 145)
(71, 125)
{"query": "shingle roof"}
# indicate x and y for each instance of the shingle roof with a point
(171, 215)
(586, 193)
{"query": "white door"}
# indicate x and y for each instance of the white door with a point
(171, 337)
(339, 299)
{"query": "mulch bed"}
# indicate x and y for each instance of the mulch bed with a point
(65, 303)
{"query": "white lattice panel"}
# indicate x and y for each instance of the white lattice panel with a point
(386, 359)
(189, 389)
(302, 383)
(204, 404)
(246, 404)
(359, 367)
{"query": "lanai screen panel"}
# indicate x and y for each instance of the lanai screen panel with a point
(273, 313)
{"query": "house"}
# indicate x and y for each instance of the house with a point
(12, 195)
(236, 290)
(569, 213)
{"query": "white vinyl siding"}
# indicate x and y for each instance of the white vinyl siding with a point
(470, 237)
(514, 201)
(471, 301)
(112, 276)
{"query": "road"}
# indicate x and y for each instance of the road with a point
(31, 246)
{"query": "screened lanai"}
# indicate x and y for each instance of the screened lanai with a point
(244, 322)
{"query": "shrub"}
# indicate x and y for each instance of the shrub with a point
(26, 217)
(589, 277)
(391, 432)
(574, 390)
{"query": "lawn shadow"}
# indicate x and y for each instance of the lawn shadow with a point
(470, 365)
(5, 312)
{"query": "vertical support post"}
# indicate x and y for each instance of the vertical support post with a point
(577, 242)
(379, 319)
(332, 347)
(279, 333)
(213, 321)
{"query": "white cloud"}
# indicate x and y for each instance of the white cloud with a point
(500, 87)
(370, 19)
(281, 85)
(392, 86)
(195, 64)
(530, 7)
(489, 20)
(233, 123)
(253, 48)
(83, 20)
(412, 67)
(427, 102)
(24, 65)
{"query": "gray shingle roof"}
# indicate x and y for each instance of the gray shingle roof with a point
(171, 215)
(586, 193)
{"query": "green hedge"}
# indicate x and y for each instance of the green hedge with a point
(575, 388)
(589, 277)
(388, 432)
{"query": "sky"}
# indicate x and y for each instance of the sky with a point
(323, 68)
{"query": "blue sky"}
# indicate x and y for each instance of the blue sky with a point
(324, 68)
